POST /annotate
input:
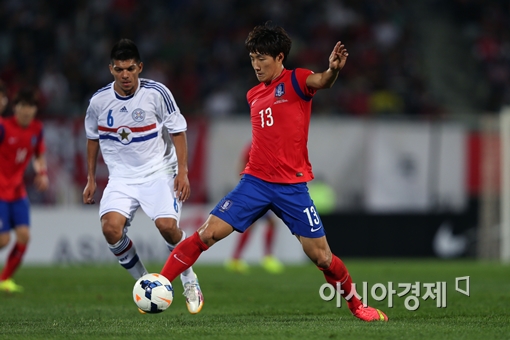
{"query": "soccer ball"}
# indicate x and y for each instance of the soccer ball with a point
(153, 293)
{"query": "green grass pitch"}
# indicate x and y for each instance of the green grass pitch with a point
(95, 302)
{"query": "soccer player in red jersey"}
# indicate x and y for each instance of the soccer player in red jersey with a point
(21, 139)
(269, 262)
(276, 174)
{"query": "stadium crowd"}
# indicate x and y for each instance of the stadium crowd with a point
(486, 25)
(196, 48)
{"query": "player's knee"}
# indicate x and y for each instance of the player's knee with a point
(4, 239)
(207, 236)
(323, 262)
(322, 259)
(23, 235)
(169, 230)
(112, 232)
(167, 226)
(112, 224)
(213, 230)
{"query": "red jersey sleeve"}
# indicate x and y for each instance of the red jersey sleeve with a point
(300, 75)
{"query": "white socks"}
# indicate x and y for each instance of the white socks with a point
(125, 252)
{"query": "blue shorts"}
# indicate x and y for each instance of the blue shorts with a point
(13, 214)
(253, 197)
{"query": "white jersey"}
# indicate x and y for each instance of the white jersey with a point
(133, 131)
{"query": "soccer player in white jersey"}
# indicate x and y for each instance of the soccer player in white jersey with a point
(141, 133)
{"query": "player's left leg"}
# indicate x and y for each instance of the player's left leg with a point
(173, 236)
(335, 271)
(294, 206)
(157, 199)
(17, 214)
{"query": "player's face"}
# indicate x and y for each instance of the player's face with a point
(125, 73)
(24, 113)
(266, 67)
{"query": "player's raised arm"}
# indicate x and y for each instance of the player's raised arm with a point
(326, 79)
(90, 188)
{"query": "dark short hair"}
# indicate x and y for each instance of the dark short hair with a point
(26, 96)
(125, 49)
(269, 39)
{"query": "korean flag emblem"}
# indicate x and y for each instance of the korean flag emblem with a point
(280, 90)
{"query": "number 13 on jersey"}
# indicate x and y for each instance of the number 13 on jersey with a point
(266, 117)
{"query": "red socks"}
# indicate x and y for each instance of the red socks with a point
(183, 256)
(242, 244)
(268, 241)
(13, 261)
(337, 272)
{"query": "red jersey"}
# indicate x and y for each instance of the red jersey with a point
(17, 146)
(280, 118)
(245, 154)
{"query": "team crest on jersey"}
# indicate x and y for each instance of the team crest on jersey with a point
(280, 90)
(226, 205)
(138, 115)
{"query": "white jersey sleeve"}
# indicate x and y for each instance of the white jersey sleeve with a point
(91, 130)
(169, 112)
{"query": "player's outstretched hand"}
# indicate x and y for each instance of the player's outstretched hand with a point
(338, 57)
(181, 187)
(88, 193)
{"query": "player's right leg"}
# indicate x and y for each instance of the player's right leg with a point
(116, 211)
(115, 234)
(157, 199)
(187, 252)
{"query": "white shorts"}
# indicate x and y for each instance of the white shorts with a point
(156, 198)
